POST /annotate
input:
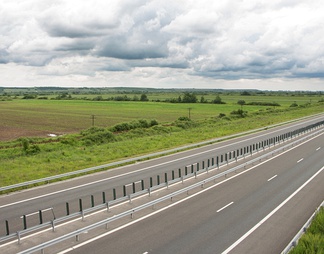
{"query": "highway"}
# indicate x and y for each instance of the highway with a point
(14, 205)
(214, 220)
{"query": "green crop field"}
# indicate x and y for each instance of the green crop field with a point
(33, 157)
(68, 116)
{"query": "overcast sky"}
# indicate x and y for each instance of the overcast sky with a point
(229, 44)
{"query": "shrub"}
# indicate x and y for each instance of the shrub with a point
(239, 112)
(184, 118)
(29, 148)
(100, 137)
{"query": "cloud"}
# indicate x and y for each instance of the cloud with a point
(191, 40)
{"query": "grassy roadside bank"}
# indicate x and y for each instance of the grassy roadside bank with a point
(99, 146)
(312, 242)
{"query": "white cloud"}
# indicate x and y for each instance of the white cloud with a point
(182, 43)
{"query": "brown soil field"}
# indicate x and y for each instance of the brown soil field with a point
(11, 133)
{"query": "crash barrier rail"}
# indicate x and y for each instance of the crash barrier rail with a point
(302, 231)
(189, 171)
(131, 212)
(149, 190)
(113, 164)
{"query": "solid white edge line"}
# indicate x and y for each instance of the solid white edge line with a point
(128, 173)
(247, 170)
(272, 178)
(178, 202)
(270, 214)
(224, 207)
(300, 160)
(318, 148)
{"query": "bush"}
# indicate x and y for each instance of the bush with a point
(100, 137)
(133, 125)
(239, 112)
(184, 118)
(29, 148)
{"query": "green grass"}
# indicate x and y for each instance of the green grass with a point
(71, 153)
(312, 242)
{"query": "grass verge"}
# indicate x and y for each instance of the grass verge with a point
(23, 160)
(312, 242)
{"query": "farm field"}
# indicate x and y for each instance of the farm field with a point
(28, 153)
(36, 117)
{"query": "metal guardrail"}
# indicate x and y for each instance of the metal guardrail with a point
(87, 170)
(302, 231)
(82, 212)
(130, 212)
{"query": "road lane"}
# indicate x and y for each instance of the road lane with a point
(194, 226)
(116, 178)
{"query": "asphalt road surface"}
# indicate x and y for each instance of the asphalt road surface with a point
(219, 218)
(14, 205)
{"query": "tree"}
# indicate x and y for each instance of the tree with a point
(203, 100)
(189, 98)
(144, 97)
(241, 102)
(218, 100)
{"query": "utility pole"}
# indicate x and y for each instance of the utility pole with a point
(93, 118)
(189, 113)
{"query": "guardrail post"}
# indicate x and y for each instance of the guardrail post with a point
(179, 172)
(166, 177)
(92, 201)
(103, 197)
(7, 228)
(192, 168)
(124, 190)
(213, 161)
(40, 217)
(203, 164)
(151, 182)
(18, 236)
(80, 205)
(197, 166)
(107, 205)
(173, 175)
(142, 183)
(25, 221)
(53, 225)
(67, 208)
(158, 179)
(114, 193)
(186, 170)
(208, 163)
(134, 189)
